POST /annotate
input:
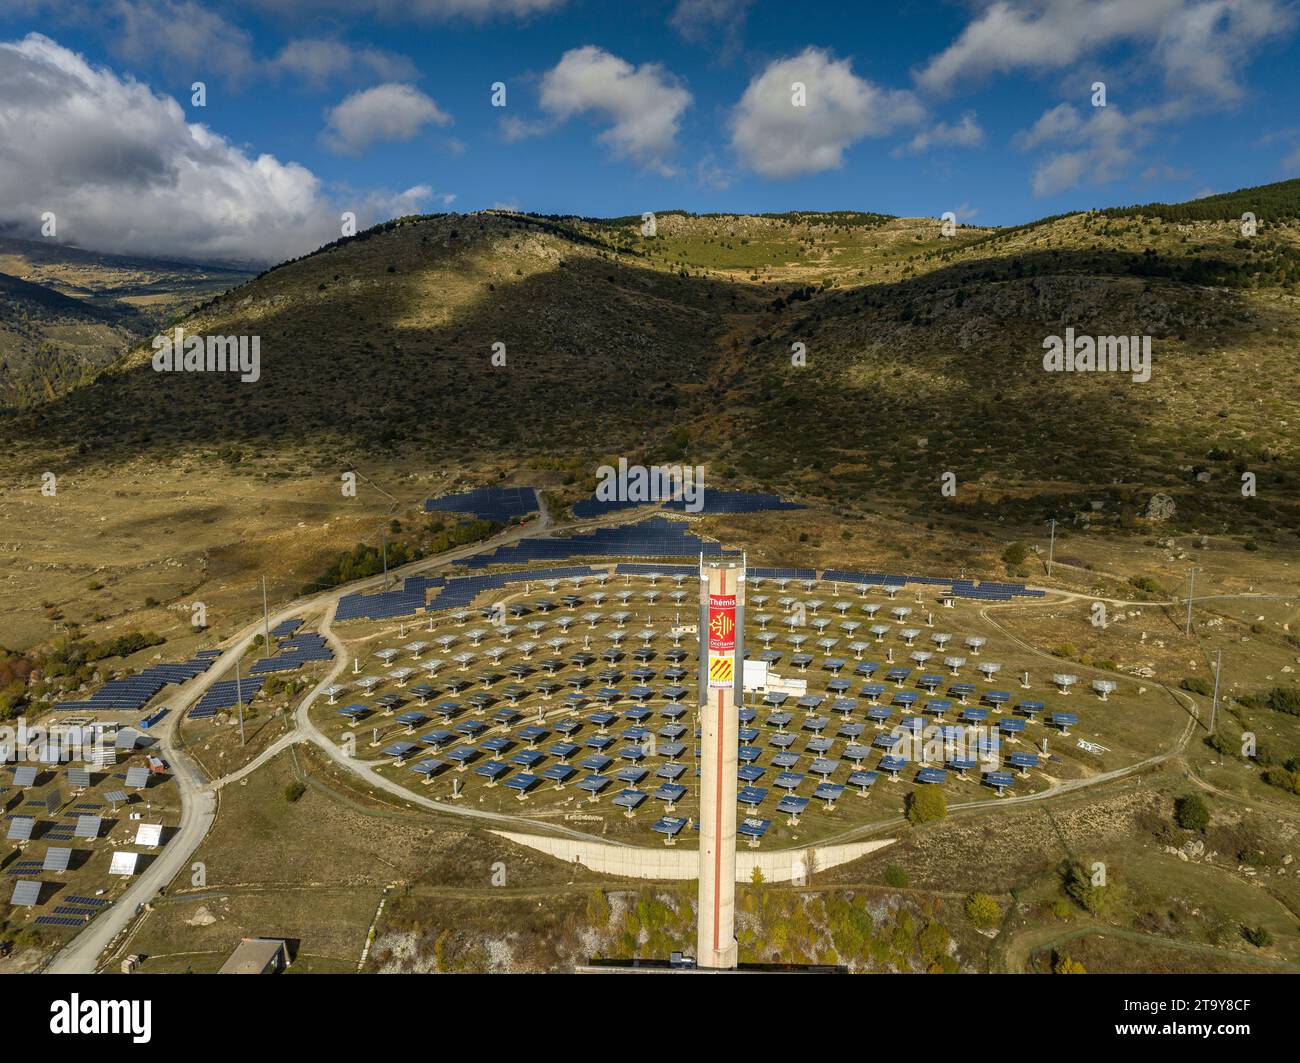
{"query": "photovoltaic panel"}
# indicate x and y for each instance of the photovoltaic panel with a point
(88, 826)
(499, 504)
(123, 863)
(20, 829)
(27, 894)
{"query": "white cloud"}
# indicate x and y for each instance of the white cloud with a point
(645, 103)
(778, 139)
(124, 171)
(318, 61)
(182, 35)
(433, 10)
(1199, 45)
(514, 128)
(700, 20)
(1291, 164)
(966, 133)
(189, 39)
(383, 113)
(1060, 121)
(1101, 147)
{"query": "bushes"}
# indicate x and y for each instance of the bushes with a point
(1191, 813)
(982, 910)
(1015, 554)
(1194, 684)
(124, 645)
(1283, 779)
(896, 877)
(1095, 898)
(1063, 964)
(925, 804)
(1259, 936)
(294, 791)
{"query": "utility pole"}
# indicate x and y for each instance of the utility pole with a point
(383, 534)
(267, 617)
(1214, 705)
(1051, 546)
(1191, 594)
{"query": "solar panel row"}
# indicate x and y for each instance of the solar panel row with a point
(500, 504)
(134, 692)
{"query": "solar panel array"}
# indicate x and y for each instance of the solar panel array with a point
(986, 590)
(294, 653)
(780, 573)
(134, 691)
(463, 745)
(285, 628)
(224, 695)
(735, 502)
(636, 568)
(460, 592)
(598, 507)
(500, 504)
(713, 501)
(655, 537)
(386, 605)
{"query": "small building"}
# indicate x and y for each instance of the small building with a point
(257, 956)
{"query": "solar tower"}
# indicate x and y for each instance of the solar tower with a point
(722, 618)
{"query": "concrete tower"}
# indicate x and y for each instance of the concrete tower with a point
(722, 622)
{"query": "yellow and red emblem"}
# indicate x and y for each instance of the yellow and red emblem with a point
(722, 640)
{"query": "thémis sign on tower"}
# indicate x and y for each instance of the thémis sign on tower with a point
(722, 640)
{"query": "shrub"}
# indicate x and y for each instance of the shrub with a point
(1259, 936)
(925, 804)
(1097, 900)
(1194, 684)
(1063, 964)
(294, 791)
(982, 910)
(1191, 813)
(1016, 554)
(896, 877)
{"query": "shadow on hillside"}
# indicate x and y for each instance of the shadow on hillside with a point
(593, 348)
(598, 355)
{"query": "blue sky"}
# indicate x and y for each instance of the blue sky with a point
(384, 106)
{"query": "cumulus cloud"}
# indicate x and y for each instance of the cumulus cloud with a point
(383, 113)
(318, 61)
(186, 38)
(966, 133)
(1060, 121)
(643, 104)
(1101, 146)
(123, 171)
(1199, 45)
(778, 139)
(180, 34)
